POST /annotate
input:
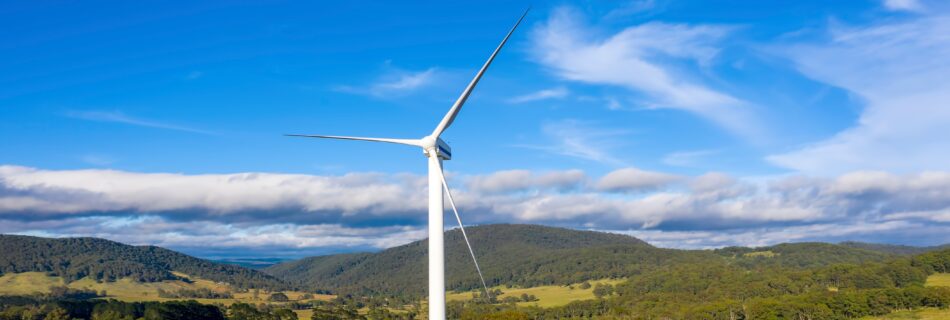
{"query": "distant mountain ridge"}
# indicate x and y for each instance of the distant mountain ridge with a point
(893, 248)
(77, 258)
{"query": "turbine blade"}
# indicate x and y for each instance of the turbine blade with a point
(464, 235)
(410, 142)
(449, 117)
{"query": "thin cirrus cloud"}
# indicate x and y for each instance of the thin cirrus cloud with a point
(120, 117)
(899, 70)
(903, 5)
(687, 158)
(638, 58)
(379, 210)
(546, 94)
(395, 83)
(581, 140)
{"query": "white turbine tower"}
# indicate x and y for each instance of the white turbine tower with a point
(437, 150)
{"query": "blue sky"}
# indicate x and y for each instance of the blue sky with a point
(686, 123)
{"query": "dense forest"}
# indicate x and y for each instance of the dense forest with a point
(104, 260)
(531, 255)
(729, 291)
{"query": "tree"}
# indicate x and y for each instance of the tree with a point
(58, 314)
(278, 297)
(603, 290)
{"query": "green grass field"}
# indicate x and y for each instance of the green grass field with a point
(922, 314)
(938, 280)
(129, 290)
(548, 296)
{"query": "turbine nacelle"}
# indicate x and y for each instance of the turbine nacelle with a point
(436, 146)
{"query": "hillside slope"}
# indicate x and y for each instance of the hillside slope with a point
(100, 259)
(531, 255)
(524, 255)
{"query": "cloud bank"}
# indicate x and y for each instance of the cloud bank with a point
(372, 210)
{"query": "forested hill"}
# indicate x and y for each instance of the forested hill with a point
(509, 254)
(76, 258)
(530, 255)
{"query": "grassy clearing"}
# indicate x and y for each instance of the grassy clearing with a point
(132, 291)
(304, 314)
(548, 296)
(922, 314)
(938, 280)
(27, 283)
(765, 254)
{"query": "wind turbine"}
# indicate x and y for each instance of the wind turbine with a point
(436, 150)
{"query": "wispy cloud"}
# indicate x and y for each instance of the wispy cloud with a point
(394, 83)
(903, 5)
(553, 93)
(631, 7)
(98, 160)
(687, 158)
(899, 70)
(647, 59)
(119, 117)
(583, 140)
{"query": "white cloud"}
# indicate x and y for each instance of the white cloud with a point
(80, 191)
(154, 230)
(900, 71)
(554, 93)
(638, 58)
(635, 180)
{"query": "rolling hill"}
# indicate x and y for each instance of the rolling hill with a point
(525, 255)
(103, 260)
(531, 255)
